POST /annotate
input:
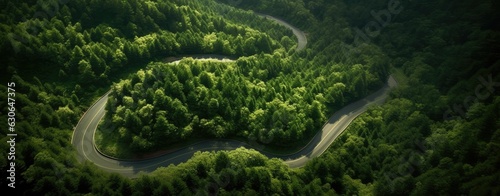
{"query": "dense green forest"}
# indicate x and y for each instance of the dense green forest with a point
(437, 134)
(277, 98)
(267, 97)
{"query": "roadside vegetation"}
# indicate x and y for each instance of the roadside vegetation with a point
(436, 135)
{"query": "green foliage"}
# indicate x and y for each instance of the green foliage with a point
(225, 173)
(281, 102)
(64, 59)
(406, 147)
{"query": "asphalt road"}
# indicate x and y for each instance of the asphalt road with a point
(83, 136)
(301, 36)
(337, 123)
(83, 139)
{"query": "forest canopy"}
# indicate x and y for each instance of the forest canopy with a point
(437, 134)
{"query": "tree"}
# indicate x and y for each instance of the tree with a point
(146, 113)
(132, 120)
(206, 79)
(222, 161)
(119, 58)
(85, 70)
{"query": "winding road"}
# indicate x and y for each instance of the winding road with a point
(83, 136)
(301, 36)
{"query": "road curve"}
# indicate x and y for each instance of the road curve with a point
(83, 139)
(337, 123)
(301, 36)
(83, 136)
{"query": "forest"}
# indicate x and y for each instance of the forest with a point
(438, 133)
(262, 97)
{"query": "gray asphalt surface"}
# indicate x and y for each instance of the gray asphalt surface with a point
(301, 36)
(83, 139)
(83, 136)
(337, 123)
